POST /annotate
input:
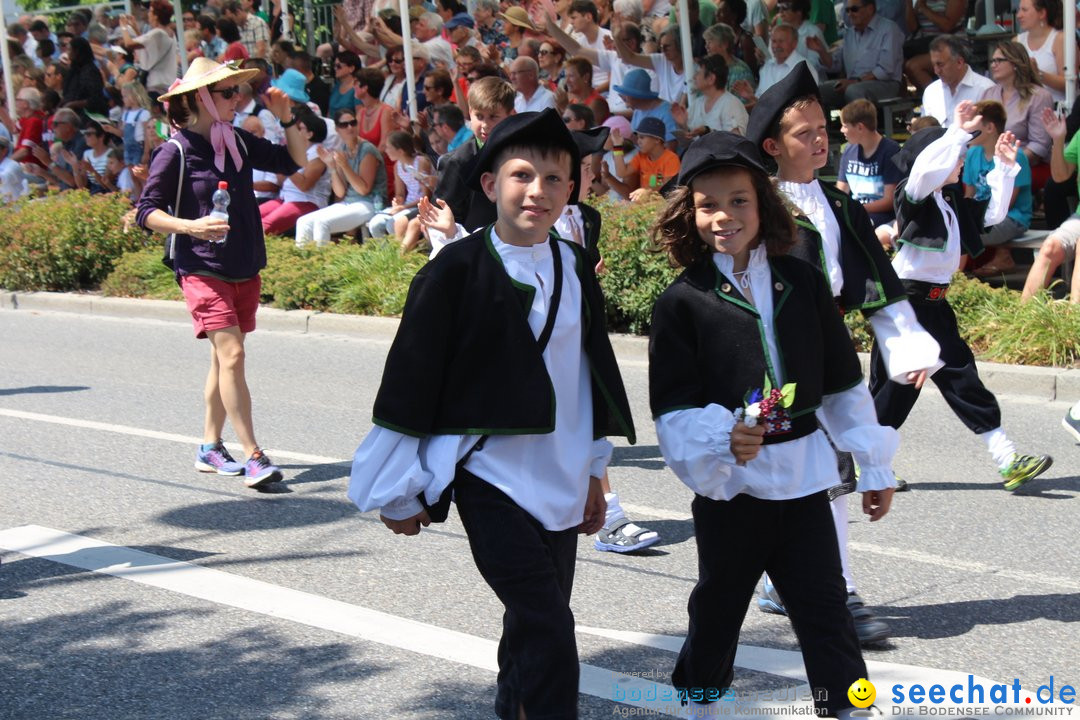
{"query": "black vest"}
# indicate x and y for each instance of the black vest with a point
(921, 223)
(870, 282)
(465, 361)
(707, 343)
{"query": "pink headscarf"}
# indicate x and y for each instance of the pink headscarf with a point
(222, 134)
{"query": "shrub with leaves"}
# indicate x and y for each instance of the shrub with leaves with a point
(67, 241)
(142, 274)
(635, 274)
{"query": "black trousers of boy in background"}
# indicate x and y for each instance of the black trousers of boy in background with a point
(958, 381)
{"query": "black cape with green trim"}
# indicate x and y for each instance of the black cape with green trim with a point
(870, 282)
(707, 344)
(465, 361)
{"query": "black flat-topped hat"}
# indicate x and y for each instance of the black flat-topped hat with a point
(773, 102)
(915, 145)
(591, 141)
(545, 128)
(718, 149)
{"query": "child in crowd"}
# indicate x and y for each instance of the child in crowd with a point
(117, 176)
(866, 170)
(740, 326)
(412, 177)
(542, 401)
(933, 235)
(91, 171)
(653, 165)
(978, 163)
(836, 235)
(133, 129)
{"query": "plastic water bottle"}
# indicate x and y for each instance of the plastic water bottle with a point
(221, 205)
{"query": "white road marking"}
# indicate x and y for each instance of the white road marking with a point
(905, 554)
(301, 607)
(336, 616)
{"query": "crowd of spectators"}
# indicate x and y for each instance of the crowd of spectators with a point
(86, 115)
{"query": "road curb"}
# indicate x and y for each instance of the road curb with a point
(1040, 383)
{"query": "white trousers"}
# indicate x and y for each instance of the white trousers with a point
(339, 217)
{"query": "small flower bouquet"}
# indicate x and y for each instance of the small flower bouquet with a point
(768, 405)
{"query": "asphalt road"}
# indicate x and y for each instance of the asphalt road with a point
(142, 589)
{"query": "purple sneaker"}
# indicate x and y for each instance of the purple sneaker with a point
(258, 470)
(217, 459)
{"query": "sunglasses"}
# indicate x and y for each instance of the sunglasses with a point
(853, 8)
(546, 52)
(346, 123)
(997, 61)
(396, 60)
(228, 92)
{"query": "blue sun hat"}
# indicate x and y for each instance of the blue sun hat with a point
(292, 83)
(637, 84)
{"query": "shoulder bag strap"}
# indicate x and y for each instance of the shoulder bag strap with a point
(170, 242)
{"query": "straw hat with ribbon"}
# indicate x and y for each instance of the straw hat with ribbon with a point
(201, 74)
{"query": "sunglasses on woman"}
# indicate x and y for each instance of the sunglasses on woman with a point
(228, 92)
(346, 123)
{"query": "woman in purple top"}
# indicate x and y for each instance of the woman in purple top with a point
(217, 261)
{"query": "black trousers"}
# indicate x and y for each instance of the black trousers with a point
(802, 558)
(958, 381)
(531, 570)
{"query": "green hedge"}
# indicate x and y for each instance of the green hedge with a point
(64, 241)
(74, 241)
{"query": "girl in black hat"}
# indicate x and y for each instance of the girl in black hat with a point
(747, 355)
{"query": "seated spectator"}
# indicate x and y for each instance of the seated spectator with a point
(956, 82)
(467, 58)
(667, 64)
(438, 88)
(92, 167)
(59, 169)
(306, 190)
(317, 88)
(812, 45)
(584, 20)
(12, 181)
(551, 59)
(413, 177)
(358, 176)
(1016, 86)
(644, 102)
(607, 168)
(928, 20)
(516, 23)
(30, 126)
(579, 82)
(1045, 43)
(118, 176)
(653, 165)
(460, 30)
(248, 106)
(488, 26)
(866, 169)
(978, 162)
(394, 84)
(531, 95)
(579, 117)
(733, 14)
(784, 58)
(267, 185)
(230, 35)
(343, 92)
(1061, 244)
(869, 63)
(719, 40)
(711, 107)
(450, 122)
(213, 46)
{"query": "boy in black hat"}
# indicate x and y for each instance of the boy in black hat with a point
(936, 224)
(837, 235)
(502, 385)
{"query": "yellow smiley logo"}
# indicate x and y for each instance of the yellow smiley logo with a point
(862, 693)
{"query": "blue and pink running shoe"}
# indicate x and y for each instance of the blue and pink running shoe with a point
(216, 458)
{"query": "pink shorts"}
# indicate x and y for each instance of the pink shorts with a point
(217, 304)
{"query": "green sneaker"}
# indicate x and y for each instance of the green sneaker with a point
(1024, 468)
